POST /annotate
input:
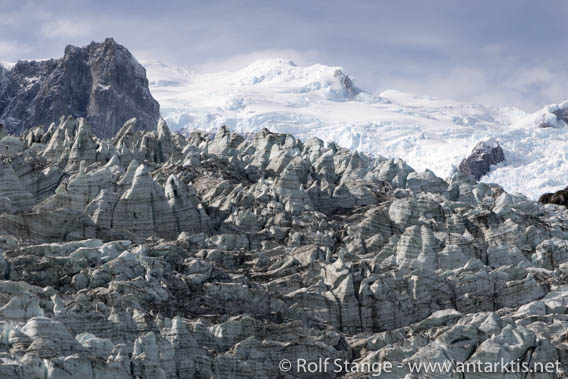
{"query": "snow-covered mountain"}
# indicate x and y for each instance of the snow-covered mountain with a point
(323, 101)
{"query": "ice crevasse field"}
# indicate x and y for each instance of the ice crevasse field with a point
(322, 101)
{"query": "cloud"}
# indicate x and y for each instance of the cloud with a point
(69, 29)
(239, 61)
(487, 51)
(528, 88)
(13, 50)
(412, 40)
(6, 19)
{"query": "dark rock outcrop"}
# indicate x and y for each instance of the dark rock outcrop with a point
(484, 154)
(346, 83)
(558, 197)
(102, 82)
(562, 113)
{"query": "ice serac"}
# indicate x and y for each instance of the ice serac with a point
(484, 155)
(155, 255)
(102, 82)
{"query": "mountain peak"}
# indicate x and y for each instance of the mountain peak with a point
(323, 101)
(269, 64)
(102, 82)
(285, 70)
(108, 43)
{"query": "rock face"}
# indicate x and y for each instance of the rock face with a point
(558, 197)
(102, 82)
(154, 255)
(484, 154)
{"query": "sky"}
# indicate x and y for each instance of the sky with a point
(501, 53)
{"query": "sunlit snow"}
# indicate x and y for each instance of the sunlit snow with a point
(319, 101)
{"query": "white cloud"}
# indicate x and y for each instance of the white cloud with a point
(529, 88)
(417, 49)
(13, 50)
(7, 20)
(239, 61)
(65, 29)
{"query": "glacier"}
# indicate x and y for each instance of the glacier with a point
(323, 101)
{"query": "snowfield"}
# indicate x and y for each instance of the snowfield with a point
(7, 65)
(322, 101)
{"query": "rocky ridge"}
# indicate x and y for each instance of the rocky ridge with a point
(102, 82)
(153, 255)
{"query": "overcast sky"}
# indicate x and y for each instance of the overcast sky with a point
(492, 52)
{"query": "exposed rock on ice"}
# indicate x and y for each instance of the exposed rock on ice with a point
(558, 197)
(484, 155)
